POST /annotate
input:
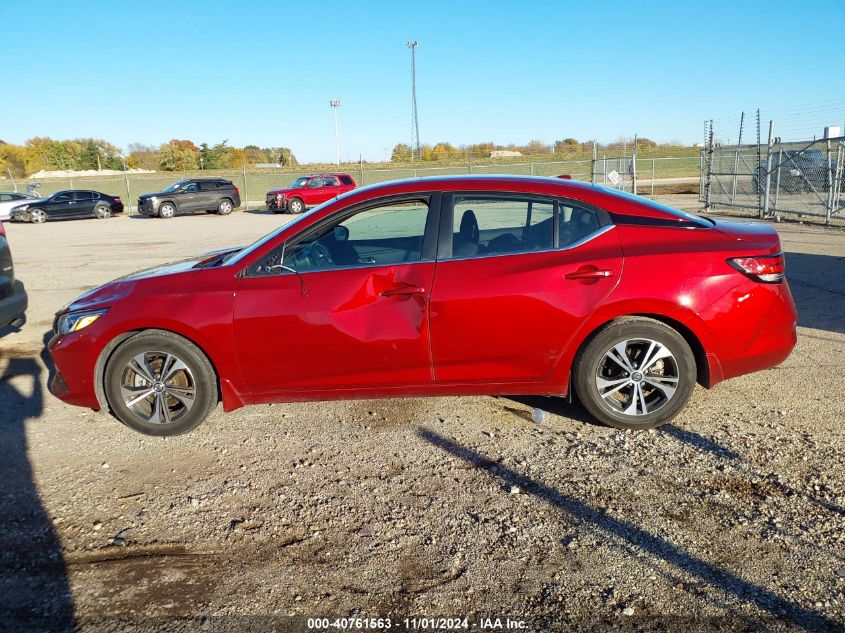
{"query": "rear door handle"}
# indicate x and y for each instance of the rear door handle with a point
(403, 291)
(589, 273)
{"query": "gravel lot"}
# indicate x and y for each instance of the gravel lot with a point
(731, 519)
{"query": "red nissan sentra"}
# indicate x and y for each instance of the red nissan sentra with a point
(439, 286)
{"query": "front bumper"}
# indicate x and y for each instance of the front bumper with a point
(146, 205)
(14, 306)
(276, 204)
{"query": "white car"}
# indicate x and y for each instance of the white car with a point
(9, 199)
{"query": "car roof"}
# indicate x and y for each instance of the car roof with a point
(611, 200)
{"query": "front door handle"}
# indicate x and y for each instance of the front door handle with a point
(403, 292)
(589, 274)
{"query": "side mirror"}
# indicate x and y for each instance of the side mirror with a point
(341, 233)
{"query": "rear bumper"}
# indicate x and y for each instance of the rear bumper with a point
(761, 332)
(117, 207)
(14, 306)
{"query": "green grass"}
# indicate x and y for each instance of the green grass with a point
(668, 163)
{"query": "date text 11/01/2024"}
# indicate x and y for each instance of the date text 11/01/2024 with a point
(415, 624)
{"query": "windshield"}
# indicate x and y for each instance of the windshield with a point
(299, 183)
(173, 187)
(236, 257)
(655, 205)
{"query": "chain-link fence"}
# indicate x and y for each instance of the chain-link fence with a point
(254, 183)
(795, 179)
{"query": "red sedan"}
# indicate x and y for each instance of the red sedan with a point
(442, 286)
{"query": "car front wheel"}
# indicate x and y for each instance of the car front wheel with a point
(37, 216)
(296, 206)
(159, 383)
(167, 210)
(637, 373)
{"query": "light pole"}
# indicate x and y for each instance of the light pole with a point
(335, 104)
(415, 126)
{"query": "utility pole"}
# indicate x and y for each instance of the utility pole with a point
(415, 126)
(335, 104)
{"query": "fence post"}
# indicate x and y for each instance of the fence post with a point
(708, 183)
(765, 212)
(634, 167)
(361, 166)
(652, 175)
(605, 170)
(830, 187)
(12, 178)
(736, 158)
(246, 189)
(593, 165)
(777, 178)
(128, 195)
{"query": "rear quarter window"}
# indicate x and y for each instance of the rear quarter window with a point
(346, 180)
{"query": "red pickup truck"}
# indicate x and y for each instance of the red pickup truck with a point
(308, 191)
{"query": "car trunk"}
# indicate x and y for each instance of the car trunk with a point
(757, 232)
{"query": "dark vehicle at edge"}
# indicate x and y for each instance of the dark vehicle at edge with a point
(13, 300)
(68, 204)
(212, 195)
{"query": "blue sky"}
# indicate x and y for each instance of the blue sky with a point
(263, 72)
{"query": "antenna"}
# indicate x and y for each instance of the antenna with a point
(335, 104)
(415, 126)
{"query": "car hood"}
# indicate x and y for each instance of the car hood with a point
(157, 194)
(278, 191)
(120, 287)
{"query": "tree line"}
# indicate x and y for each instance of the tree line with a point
(44, 153)
(565, 147)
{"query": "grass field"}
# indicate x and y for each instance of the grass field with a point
(680, 162)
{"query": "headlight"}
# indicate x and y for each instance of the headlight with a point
(75, 321)
(23, 207)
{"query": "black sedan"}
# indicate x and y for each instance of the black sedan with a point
(68, 204)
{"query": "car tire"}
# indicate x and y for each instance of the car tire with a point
(37, 216)
(295, 205)
(224, 207)
(167, 409)
(167, 210)
(102, 212)
(621, 393)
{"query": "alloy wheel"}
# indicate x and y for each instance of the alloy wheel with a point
(637, 376)
(37, 216)
(158, 387)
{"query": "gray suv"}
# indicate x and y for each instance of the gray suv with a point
(212, 195)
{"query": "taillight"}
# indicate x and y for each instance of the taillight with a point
(765, 268)
(117, 198)
(237, 191)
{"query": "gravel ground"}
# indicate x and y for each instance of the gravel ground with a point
(733, 518)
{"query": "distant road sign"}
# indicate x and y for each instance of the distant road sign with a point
(614, 178)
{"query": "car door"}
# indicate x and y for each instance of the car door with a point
(59, 206)
(187, 199)
(207, 195)
(516, 276)
(83, 204)
(342, 321)
(311, 191)
(330, 189)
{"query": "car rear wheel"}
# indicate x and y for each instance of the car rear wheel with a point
(159, 383)
(102, 212)
(167, 210)
(637, 373)
(295, 205)
(225, 207)
(37, 216)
